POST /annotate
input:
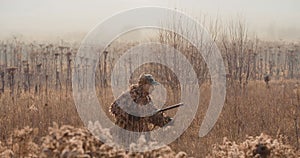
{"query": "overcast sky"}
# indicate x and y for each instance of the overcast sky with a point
(271, 19)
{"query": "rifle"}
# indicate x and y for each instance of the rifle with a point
(169, 107)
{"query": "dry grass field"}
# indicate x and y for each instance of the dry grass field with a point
(38, 116)
(58, 57)
(247, 112)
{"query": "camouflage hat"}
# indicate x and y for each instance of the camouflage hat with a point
(147, 79)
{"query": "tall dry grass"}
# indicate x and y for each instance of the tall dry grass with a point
(248, 111)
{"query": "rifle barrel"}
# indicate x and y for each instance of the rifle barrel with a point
(170, 107)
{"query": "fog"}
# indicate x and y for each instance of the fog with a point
(72, 19)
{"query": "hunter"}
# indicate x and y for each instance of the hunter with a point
(128, 109)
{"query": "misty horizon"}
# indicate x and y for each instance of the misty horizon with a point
(36, 20)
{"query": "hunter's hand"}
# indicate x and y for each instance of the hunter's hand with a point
(170, 121)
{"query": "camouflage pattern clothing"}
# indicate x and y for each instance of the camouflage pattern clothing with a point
(128, 107)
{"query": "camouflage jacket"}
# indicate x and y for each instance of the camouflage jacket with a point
(128, 111)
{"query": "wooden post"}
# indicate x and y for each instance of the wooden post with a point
(69, 60)
(56, 71)
(2, 73)
(11, 73)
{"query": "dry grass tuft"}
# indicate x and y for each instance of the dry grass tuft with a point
(259, 146)
(70, 142)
